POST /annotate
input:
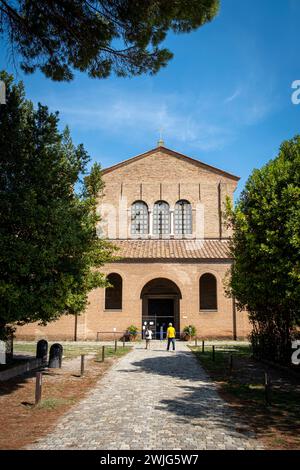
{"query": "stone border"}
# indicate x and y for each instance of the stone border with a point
(20, 369)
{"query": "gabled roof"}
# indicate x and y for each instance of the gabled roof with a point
(174, 154)
(172, 249)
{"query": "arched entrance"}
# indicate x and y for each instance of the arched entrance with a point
(161, 305)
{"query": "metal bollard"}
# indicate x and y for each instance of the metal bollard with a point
(82, 365)
(55, 356)
(203, 346)
(42, 350)
(103, 353)
(38, 387)
(116, 345)
(213, 353)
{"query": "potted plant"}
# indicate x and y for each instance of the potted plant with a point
(189, 332)
(132, 332)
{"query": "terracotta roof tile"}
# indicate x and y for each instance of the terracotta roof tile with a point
(172, 249)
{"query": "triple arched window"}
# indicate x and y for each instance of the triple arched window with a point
(113, 293)
(139, 218)
(162, 222)
(183, 218)
(208, 292)
(161, 218)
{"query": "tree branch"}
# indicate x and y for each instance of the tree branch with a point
(11, 11)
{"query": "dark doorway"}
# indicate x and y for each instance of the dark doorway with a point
(160, 306)
(162, 313)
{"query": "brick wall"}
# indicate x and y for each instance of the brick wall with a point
(218, 324)
(163, 176)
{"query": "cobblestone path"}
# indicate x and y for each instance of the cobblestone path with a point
(152, 400)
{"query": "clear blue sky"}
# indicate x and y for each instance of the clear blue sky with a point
(225, 98)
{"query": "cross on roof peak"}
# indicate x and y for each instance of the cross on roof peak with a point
(160, 142)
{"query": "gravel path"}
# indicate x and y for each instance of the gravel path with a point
(152, 400)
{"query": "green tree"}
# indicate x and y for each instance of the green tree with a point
(98, 36)
(49, 249)
(265, 277)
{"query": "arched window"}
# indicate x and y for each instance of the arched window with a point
(161, 218)
(113, 295)
(183, 218)
(139, 218)
(208, 292)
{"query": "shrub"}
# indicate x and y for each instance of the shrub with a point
(189, 331)
(132, 331)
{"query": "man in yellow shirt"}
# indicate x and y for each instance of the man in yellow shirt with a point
(171, 334)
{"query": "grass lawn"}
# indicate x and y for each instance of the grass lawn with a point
(70, 350)
(278, 424)
(110, 352)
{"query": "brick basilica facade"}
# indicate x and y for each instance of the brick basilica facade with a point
(164, 212)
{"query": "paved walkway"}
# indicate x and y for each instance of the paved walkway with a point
(152, 400)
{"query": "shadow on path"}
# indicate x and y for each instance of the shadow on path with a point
(179, 364)
(200, 404)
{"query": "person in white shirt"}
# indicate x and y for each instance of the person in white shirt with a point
(148, 337)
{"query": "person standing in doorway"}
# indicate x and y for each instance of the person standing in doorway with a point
(148, 337)
(171, 334)
(161, 333)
